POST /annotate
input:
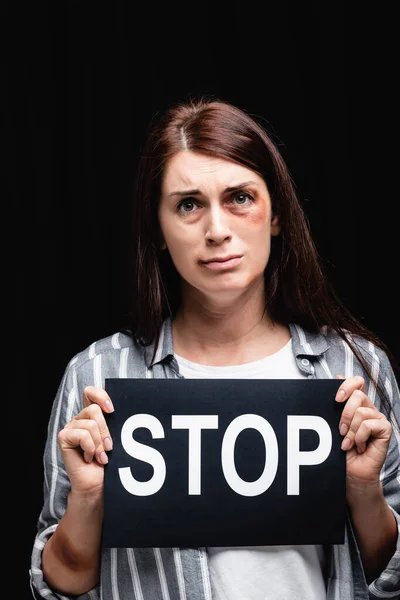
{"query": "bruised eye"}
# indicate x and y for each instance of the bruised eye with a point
(189, 205)
(242, 198)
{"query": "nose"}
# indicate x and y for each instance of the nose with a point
(217, 226)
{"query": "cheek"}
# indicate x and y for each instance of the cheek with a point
(178, 242)
(170, 231)
(180, 245)
(257, 221)
(259, 216)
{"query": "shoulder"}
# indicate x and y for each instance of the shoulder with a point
(361, 348)
(354, 354)
(345, 352)
(118, 355)
(108, 353)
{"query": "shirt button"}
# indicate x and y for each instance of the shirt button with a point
(305, 362)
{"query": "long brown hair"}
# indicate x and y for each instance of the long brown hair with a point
(296, 288)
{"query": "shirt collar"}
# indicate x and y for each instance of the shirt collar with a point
(304, 343)
(165, 346)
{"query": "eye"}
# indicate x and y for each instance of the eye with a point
(242, 198)
(186, 206)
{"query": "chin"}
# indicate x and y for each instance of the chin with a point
(225, 290)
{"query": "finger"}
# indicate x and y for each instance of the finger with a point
(349, 385)
(77, 438)
(96, 395)
(357, 399)
(95, 413)
(92, 427)
(379, 429)
(361, 414)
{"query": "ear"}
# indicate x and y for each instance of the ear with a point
(275, 226)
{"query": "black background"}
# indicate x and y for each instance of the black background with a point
(85, 78)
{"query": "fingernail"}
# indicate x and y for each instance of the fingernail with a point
(104, 458)
(88, 457)
(346, 443)
(343, 429)
(109, 406)
(107, 443)
(340, 395)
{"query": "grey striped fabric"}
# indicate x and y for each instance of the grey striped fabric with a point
(182, 574)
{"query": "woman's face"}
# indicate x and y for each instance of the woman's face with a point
(216, 221)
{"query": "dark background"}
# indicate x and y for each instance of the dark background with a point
(84, 79)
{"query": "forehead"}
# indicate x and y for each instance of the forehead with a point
(192, 170)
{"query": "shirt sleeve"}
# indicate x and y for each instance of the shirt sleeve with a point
(56, 485)
(387, 585)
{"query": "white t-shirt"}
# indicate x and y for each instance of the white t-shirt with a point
(262, 572)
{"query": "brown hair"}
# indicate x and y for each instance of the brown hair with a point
(296, 288)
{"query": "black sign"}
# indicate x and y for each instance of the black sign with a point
(224, 462)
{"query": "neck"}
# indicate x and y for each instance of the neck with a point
(218, 335)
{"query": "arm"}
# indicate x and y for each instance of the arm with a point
(372, 445)
(66, 550)
(375, 527)
(71, 557)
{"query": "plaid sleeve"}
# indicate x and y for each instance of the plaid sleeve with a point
(387, 585)
(56, 486)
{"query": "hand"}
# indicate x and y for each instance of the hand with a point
(366, 434)
(85, 440)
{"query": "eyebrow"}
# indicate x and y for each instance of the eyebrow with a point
(227, 190)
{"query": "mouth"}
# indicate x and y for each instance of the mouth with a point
(222, 263)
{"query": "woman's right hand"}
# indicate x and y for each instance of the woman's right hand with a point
(85, 440)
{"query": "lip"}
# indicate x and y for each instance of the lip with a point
(222, 258)
(221, 263)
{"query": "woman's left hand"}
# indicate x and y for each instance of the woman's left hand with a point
(366, 433)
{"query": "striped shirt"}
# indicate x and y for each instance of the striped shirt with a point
(183, 573)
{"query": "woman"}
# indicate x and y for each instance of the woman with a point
(225, 275)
